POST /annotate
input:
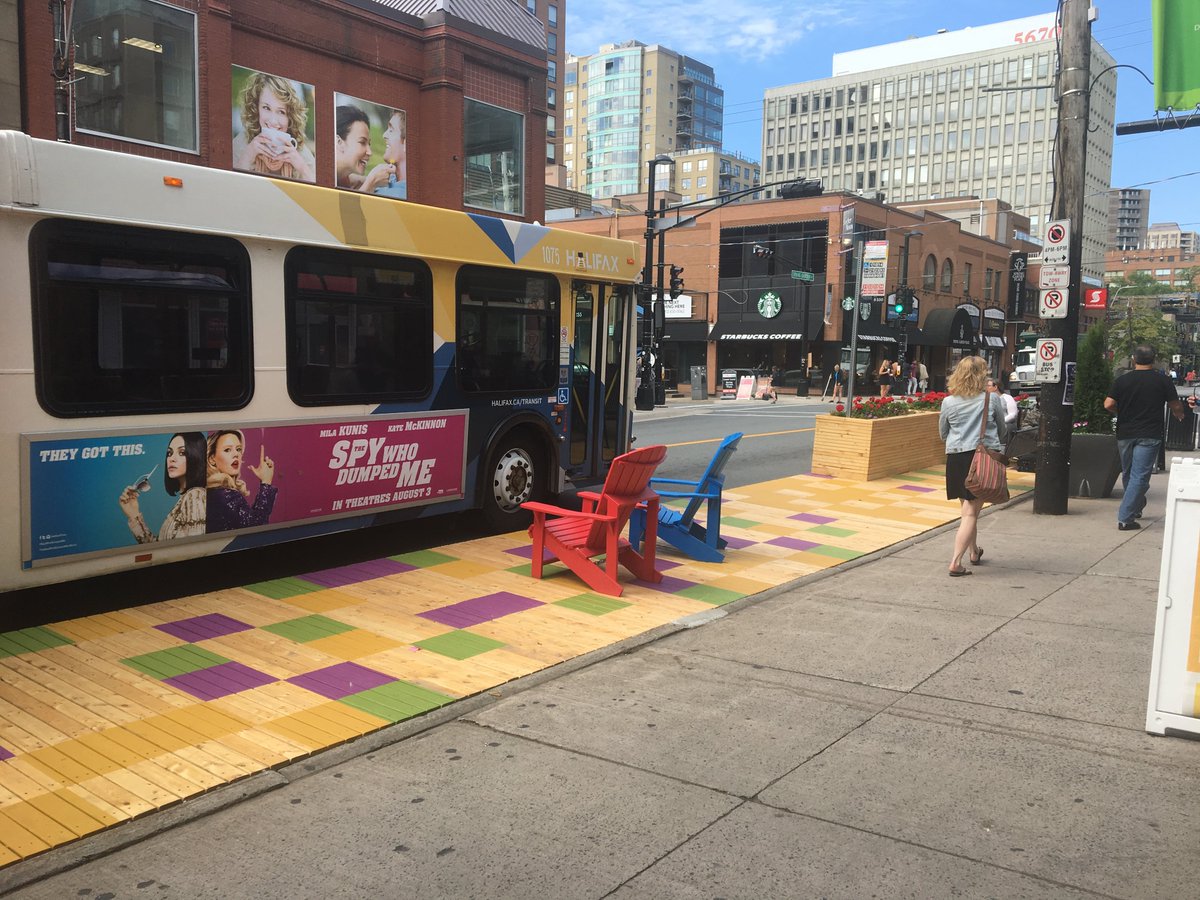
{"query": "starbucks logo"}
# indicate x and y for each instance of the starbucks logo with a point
(769, 305)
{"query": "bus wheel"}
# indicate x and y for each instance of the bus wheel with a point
(513, 476)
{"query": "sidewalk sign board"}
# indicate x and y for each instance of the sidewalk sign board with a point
(1047, 362)
(1174, 701)
(745, 389)
(1053, 304)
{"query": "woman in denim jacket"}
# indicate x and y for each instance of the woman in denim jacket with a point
(959, 425)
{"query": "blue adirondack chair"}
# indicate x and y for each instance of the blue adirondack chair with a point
(680, 528)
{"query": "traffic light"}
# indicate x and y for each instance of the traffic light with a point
(676, 281)
(763, 252)
(902, 302)
(805, 187)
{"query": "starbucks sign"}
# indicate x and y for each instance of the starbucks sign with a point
(769, 305)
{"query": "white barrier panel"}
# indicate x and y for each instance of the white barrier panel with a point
(1174, 702)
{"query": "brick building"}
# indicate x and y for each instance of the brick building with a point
(451, 94)
(742, 309)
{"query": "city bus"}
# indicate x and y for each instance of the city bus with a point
(196, 361)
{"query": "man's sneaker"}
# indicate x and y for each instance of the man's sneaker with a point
(1128, 526)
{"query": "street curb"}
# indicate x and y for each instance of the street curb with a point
(69, 856)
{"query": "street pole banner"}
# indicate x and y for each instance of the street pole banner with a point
(1174, 701)
(874, 269)
(1176, 25)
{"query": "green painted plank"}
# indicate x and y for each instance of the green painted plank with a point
(739, 523)
(547, 569)
(30, 640)
(459, 644)
(833, 532)
(835, 552)
(174, 661)
(308, 628)
(708, 594)
(396, 701)
(423, 559)
(592, 604)
(282, 588)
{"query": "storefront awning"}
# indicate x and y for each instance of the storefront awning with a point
(950, 328)
(993, 341)
(755, 331)
(874, 333)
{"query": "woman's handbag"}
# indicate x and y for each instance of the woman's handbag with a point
(987, 478)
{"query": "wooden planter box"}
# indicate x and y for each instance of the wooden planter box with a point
(867, 449)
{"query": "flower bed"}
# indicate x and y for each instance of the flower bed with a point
(866, 447)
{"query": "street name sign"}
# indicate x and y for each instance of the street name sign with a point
(1054, 277)
(803, 276)
(1047, 361)
(1054, 304)
(1057, 246)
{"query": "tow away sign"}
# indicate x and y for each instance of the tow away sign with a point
(1048, 360)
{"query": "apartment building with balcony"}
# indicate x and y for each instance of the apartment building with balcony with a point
(628, 103)
(1128, 218)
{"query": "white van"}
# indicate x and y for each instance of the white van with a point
(1021, 378)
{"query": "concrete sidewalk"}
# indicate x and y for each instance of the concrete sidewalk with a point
(877, 730)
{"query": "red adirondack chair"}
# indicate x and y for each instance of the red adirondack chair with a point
(575, 537)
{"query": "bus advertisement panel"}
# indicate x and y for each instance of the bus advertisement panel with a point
(109, 492)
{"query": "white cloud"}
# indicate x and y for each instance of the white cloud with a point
(710, 29)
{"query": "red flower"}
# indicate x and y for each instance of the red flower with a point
(840, 407)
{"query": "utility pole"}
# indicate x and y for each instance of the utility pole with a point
(1070, 158)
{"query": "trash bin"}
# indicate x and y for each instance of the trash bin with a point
(660, 393)
(699, 383)
(802, 387)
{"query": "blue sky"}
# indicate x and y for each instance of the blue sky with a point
(776, 42)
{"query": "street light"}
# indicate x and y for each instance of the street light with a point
(644, 400)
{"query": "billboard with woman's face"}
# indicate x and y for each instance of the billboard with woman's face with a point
(274, 127)
(370, 147)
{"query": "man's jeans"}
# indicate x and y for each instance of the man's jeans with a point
(1138, 457)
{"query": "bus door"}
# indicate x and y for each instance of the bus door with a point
(599, 419)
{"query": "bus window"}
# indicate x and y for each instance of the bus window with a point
(507, 330)
(131, 320)
(360, 327)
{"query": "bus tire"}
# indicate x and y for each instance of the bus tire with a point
(515, 473)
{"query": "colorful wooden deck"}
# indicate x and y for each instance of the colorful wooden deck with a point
(110, 717)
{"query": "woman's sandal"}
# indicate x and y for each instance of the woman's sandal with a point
(977, 560)
(960, 573)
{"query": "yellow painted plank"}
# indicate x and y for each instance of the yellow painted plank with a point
(354, 644)
(37, 823)
(73, 814)
(19, 839)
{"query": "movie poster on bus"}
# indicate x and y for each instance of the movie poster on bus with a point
(370, 143)
(274, 125)
(94, 494)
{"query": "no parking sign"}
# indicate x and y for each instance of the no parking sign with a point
(1048, 360)
(1054, 304)
(1057, 246)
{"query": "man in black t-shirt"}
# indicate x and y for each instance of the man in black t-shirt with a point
(1137, 398)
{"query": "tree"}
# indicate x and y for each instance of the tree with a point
(1137, 284)
(1148, 327)
(1093, 381)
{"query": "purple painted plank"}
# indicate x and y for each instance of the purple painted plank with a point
(5, 753)
(344, 575)
(669, 584)
(525, 552)
(737, 543)
(813, 518)
(480, 609)
(342, 680)
(201, 628)
(914, 487)
(793, 543)
(220, 681)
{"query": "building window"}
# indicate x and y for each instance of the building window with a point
(531, 5)
(551, 42)
(493, 176)
(552, 15)
(551, 70)
(551, 97)
(947, 275)
(929, 278)
(136, 71)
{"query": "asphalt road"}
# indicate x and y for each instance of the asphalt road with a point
(777, 442)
